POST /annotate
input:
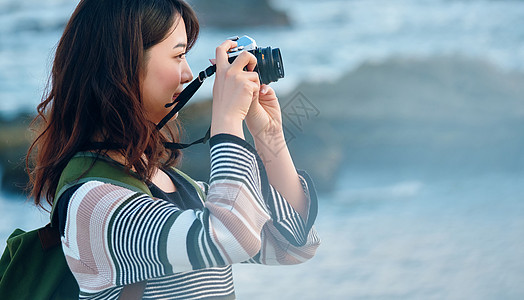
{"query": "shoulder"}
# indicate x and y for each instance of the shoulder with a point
(89, 197)
(95, 190)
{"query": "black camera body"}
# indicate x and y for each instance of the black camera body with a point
(269, 61)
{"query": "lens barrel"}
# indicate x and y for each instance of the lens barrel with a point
(270, 67)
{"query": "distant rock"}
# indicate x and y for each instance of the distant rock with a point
(231, 14)
(436, 113)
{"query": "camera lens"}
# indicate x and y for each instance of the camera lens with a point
(269, 64)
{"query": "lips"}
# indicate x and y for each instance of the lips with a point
(174, 100)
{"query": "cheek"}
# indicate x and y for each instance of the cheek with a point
(162, 84)
(168, 74)
(155, 94)
(161, 81)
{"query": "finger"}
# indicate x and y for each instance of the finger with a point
(245, 60)
(221, 53)
(270, 92)
(213, 61)
(267, 91)
(253, 77)
(264, 89)
(256, 88)
(256, 91)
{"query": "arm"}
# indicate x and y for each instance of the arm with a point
(236, 97)
(289, 239)
(115, 236)
(281, 170)
(264, 121)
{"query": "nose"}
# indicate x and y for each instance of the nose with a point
(187, 75)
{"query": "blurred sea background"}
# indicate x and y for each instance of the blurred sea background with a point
(409, 115)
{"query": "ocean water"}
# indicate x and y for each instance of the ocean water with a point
(386, 237)
(18, 212)
(325, 40)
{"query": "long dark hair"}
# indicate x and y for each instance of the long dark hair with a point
(94, 90)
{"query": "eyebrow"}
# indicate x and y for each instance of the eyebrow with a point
(182, 45)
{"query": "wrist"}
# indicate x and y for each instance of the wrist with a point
(227, 125)
(271, 145)
(269, 135)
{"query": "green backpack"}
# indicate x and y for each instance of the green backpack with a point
(33, 265)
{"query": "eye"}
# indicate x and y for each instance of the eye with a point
(181, 56)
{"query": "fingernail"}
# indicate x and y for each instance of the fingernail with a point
(263, 90)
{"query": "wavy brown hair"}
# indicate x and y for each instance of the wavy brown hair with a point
(94, 94)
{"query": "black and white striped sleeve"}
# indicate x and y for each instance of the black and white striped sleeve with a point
(287, 238)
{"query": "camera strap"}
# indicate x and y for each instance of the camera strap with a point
(182, 100)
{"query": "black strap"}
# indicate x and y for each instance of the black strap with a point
(168, 145)
(186, 94)
(174, 146)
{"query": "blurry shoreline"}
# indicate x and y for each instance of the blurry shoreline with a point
(436, 113)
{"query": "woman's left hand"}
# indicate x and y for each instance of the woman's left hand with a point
(264, 121)
(264, 118)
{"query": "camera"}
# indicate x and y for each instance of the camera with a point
(269, 61)
(269, 68)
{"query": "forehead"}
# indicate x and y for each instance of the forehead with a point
(177, 32)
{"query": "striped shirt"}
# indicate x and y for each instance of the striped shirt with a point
(113, 236)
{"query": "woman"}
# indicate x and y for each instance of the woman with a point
(116, 66)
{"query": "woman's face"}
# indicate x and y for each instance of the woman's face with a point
(165, 73)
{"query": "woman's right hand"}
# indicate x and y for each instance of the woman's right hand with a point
(233, 91)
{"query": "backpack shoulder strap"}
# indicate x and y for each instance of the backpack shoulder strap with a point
(197, 187)
(87, 166)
